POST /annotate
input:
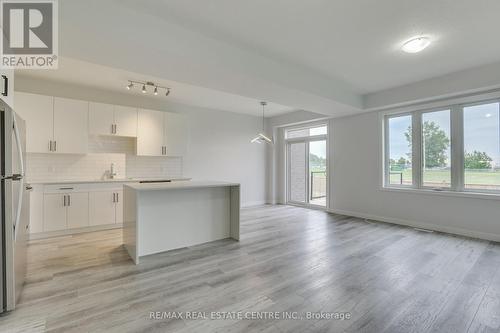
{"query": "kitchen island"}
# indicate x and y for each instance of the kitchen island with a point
(160, 217)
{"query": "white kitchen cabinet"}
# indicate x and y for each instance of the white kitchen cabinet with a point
(119, 207)
(38, 112)
(70, 126)
(54, 212)
(107, 119)
(125, 120)
(101, 208)
(53, 124)
(65, 211)
(161, 133)
(7, 86)
(176, 134)
(36, 209)
(101, 118)
(105, 207)
(77, 206)
(150, 133)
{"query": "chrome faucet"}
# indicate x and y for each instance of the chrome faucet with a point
(112, 172)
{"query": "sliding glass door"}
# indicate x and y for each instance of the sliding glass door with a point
(307, 166)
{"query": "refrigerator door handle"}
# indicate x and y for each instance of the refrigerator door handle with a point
(21, 178)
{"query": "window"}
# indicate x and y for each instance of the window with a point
(306, 132)
(482, 147)
(436, 142)
(456, 148)
(399, 150)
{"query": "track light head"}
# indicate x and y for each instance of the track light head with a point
(156, 91)
(143, 88)
(168, 92)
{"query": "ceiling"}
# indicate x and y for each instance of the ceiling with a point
(356, 41)
(326, 56)
(83, 73)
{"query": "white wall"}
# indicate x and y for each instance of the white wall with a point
(356, 188)
(355, 184)
(219, 145)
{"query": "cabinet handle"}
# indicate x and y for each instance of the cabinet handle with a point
(69, 200)
(5, 91)
(55, 145)
(116, 128)
(114, 200)
(50, 145)
(117, 197)
(64, 200)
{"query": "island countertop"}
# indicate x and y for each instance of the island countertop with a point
(179, 185)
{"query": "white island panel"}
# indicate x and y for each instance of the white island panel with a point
(162, 217)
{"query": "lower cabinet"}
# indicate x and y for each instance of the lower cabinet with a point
(105, 207)
(73, 206)
(65, 210)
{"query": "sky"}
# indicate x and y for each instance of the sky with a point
(481, 130)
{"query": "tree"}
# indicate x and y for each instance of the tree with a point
(477, 160)
(435, 141)
(402, 161)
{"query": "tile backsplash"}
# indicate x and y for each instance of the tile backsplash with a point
(102, 152)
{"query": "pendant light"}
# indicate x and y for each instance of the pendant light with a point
(261, 137)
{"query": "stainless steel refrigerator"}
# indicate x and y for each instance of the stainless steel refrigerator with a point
(14, 207)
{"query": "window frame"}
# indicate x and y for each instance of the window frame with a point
(457, 187)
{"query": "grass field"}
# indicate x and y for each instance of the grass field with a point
(473, 178)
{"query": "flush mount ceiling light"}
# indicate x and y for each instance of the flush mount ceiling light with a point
(416, 44)
(144, 90)
(261, 137)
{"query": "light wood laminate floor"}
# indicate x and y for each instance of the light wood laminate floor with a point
(389, 278)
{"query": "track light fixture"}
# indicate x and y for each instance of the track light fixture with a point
(131, 84)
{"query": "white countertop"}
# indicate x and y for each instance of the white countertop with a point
(99, 181)
(179, 185)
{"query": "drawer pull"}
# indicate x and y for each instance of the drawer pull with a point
(66, 188)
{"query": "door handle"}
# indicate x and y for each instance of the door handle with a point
(5, 91)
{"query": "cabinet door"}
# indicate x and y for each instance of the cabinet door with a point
(176, 134)
(38, 113)
(36, 209)
(71, 125)
(101, 208)
(150, 133)
(54, 212)
(119, 207)
(101, 118)
(126, 121)
(7, 86)
(78, 210)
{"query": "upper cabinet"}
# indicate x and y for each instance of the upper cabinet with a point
(61, 125)
(125, 121)
(53, 124)
(150, 133)
(7, 86)
(71, 133)
(38, 112)
(107, 119)
(161, 133)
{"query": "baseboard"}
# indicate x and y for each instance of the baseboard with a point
(421, 225)
(253, 204)
(59, 233)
